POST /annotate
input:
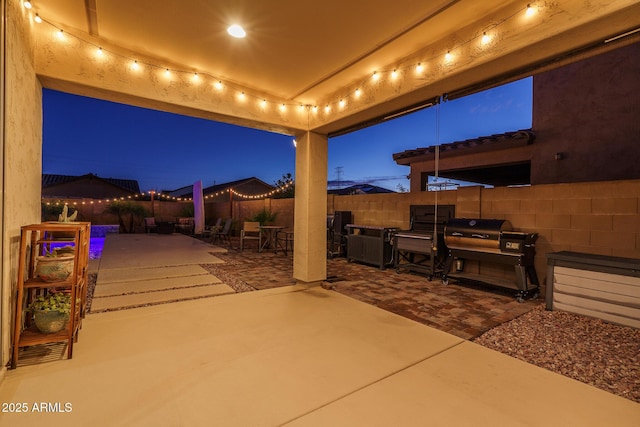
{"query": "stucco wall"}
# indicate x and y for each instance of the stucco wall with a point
(22, 164)
(588, 111)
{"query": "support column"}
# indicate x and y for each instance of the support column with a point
(310, 222)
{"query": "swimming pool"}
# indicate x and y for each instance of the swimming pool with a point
(96, 241)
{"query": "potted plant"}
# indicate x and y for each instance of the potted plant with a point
(65, 218)
(51, 312)
(54, 266)
(265, 217)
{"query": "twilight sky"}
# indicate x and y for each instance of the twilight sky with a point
(165, 151)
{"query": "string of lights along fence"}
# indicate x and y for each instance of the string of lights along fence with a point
(160, 196)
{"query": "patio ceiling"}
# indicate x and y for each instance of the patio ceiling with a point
(318, 53)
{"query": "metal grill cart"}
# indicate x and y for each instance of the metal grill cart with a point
(370, 244)
(416, 249)
(492, 241)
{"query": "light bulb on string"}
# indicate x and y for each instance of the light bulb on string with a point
(27, 4)
(485, 38)
(394, 74)
(419, 68)
(357, 93)
(448, 56)
(37, 19)
(530, 11)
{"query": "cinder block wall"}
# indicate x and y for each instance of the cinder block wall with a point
(596, 217)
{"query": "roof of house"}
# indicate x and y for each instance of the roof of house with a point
(360, 189)
(526, 136)
(50, 180)
(187, 191)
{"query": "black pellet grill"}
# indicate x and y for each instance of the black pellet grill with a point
(493, 241)
(416, 249)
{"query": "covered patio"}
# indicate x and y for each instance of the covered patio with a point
(287, 355)
(298, 354)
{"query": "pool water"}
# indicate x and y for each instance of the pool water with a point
(95, 247)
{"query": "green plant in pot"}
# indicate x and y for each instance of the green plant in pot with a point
(54, 266)
(51, 312)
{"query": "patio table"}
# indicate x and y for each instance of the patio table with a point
(269, 233)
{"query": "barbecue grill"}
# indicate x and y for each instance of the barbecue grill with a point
(493, 241)
(416, 249)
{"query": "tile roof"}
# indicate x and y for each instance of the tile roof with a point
(187, 191)
(49, 180)
(525, 135)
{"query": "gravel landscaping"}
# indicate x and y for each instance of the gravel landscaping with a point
(589, 350)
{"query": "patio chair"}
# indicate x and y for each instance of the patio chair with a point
(223, 234)
(284, 241)
(212, 230)
(250, 231)
(150, 225)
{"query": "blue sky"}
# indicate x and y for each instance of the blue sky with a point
(165, 151)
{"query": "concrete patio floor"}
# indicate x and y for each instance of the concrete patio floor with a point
(289, 355)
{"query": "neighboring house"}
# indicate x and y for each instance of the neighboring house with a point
(87, 186)
(360, 189)
(220, 192)
(585, 116)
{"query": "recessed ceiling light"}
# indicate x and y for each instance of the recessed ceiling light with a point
(236, 31)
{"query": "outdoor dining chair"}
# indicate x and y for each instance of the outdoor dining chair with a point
(250, 231)
(223, 234)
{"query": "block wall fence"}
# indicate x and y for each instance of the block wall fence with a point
(597, 218)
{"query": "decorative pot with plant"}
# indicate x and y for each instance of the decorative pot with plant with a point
(54, 266)
(51, 312)
(65, 218)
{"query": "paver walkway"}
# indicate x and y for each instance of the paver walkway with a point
(466, 311)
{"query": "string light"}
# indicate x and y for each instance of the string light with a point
(27, 4)
(375, 76)
(530, 11)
